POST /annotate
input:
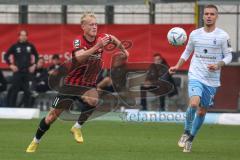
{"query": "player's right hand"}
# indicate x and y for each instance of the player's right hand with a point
(103, 41)
(173, 69)
(13, 67)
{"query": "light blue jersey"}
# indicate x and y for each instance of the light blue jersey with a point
(207, 48)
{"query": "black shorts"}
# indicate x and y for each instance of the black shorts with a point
(67, 94)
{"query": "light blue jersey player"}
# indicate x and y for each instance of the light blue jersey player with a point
(211, 50)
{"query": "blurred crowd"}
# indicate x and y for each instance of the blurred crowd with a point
(37, 83)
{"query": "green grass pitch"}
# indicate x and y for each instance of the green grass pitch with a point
(111, 140)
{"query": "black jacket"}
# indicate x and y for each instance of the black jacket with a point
(3, 82)
(22, 52)
(41, 75)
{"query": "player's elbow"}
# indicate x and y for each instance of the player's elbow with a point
(81, 56)
(81, 59)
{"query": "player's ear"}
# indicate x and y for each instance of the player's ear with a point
(82, 26)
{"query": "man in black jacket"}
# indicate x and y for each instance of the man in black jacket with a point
(3, 87)
(40, 77)
(3, 82)
(22, 68)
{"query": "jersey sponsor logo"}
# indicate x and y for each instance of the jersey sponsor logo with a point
(76, 43)
(205, 56)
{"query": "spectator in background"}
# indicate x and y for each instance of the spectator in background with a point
(157, 72)
(40, 77)
(3, 87)
(39, 81)
(3, 82)
(56, 62)
(114, 80)
(22, 68)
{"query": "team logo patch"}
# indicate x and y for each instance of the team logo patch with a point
(215, 41)
(18, 49)
(229, 43)
(28, 49)
(76, 43)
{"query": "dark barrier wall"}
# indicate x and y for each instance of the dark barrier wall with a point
(228, 94)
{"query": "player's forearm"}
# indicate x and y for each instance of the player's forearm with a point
(227, 59)
(180, 63)
(188, 51)
(119, 45)
(221, 64)
(83, 55)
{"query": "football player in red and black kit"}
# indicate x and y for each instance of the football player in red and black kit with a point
(85, 67)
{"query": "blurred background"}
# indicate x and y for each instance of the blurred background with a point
(52, 26)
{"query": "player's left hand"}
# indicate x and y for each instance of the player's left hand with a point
(213, 67)
(32, 68)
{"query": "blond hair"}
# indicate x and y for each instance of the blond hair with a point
(87, 15)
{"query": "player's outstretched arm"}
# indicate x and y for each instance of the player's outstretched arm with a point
(173, 69)
(118, 43)
(83, 54)
(184, 57)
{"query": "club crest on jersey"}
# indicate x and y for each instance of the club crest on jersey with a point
(205, 50)
(28, 49)
(76, 43)
(215, 41)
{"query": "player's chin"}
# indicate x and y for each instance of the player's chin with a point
(209, 23)
(93, 33)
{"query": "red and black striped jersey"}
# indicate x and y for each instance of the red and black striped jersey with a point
(85, 73)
